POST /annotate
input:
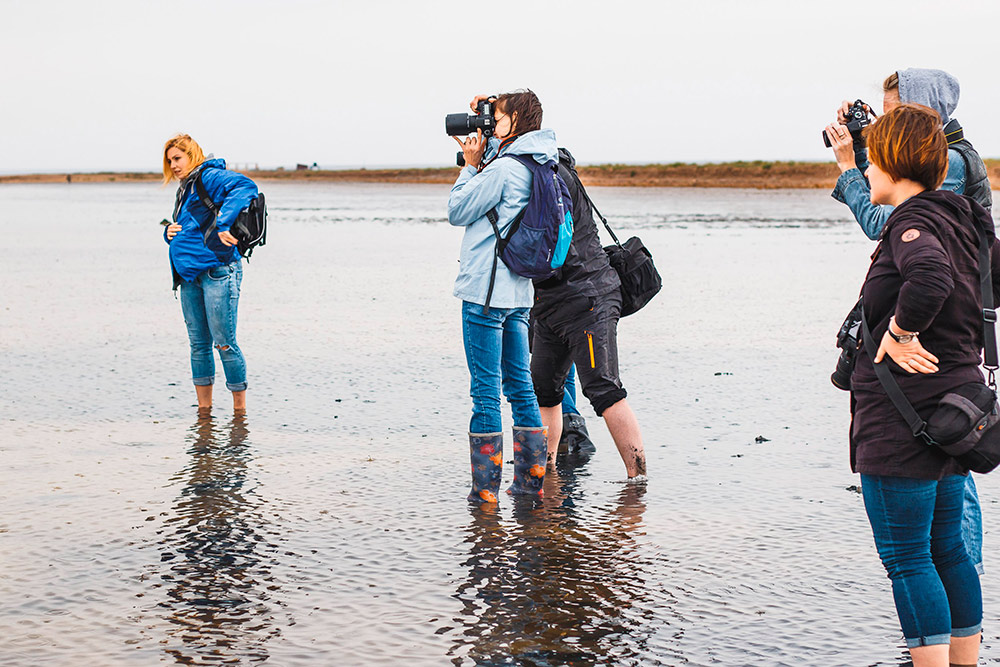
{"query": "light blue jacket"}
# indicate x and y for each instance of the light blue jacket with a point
(852, 190)
(506, 185)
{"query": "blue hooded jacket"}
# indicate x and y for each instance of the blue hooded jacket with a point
(190, 254)
(505, 185)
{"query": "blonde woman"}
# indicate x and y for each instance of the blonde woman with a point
(206, 263)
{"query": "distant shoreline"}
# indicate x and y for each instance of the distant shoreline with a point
(757, 174)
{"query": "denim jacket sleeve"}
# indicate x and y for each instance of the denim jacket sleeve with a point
(955, 179)
(854, 191)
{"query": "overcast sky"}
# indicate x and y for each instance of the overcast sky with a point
(101, 85)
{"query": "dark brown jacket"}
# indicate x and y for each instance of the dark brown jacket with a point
(925, 271)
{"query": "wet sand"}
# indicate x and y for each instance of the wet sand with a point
(329, 525)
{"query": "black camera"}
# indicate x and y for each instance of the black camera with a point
(457, 124)
(858, 118)
(847, 341)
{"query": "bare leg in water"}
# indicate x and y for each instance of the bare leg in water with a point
(624, 429)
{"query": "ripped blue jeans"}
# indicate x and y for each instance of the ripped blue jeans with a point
(209, 304)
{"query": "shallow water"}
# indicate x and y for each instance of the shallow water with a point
(329, 525)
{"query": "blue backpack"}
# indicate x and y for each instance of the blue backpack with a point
(539, 237)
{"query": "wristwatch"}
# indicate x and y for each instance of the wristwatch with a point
(902, 339)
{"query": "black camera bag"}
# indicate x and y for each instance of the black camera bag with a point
(965, 423)
(633, 263)
(250, 226)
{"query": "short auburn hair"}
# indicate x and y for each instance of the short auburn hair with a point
(908, 142)
(185, 144)
(527, 107)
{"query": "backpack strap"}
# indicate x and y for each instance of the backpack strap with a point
(207, 202)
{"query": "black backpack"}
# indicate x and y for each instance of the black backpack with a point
(250, 226)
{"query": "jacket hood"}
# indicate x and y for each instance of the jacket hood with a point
(567, 158)
(209, 163)
(931, 87)
(965, 210)
(540, 144)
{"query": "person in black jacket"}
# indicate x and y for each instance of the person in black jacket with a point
(922, 300)
(575, 318)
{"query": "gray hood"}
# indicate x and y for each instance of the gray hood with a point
(931, 87)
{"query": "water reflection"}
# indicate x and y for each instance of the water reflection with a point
(221, 603)
(555, 586)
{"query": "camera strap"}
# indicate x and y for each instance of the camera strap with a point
(493, 217)
(917, 425)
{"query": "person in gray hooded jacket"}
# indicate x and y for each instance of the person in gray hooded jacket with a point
(933, 88)
(966, 175)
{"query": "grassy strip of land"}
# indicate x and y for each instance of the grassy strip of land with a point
(757, 174)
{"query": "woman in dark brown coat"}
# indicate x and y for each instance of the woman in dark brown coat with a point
(922, 301)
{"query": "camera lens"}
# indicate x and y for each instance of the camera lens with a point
(457, 123)
(841, 377)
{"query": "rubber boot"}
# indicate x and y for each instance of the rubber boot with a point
(486, 452)
(530, 446)
(575, 438)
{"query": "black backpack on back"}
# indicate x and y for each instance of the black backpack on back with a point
(250, 226)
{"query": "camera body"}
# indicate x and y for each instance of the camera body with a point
(457, 124)
(858, 119)
(847, 340)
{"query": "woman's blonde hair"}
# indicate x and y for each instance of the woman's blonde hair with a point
(187, 145)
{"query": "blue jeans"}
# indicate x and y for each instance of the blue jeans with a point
(972, 524)
(569, 393)
(496, 349)
(209, 305)
(917, 524)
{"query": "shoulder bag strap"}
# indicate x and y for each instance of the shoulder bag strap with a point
(207, 202)
(594, 209)
(989, 313)
(917, 425)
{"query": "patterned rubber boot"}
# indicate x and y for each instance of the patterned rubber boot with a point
(575, 438)
(486, 452)
(530, 444)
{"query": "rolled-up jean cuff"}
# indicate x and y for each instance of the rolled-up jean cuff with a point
(967, 632)
(239, 386)
(930, 640)
(203, 382)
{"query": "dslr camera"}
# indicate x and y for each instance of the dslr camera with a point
(458, 124)
(858, 118)
(847, 341)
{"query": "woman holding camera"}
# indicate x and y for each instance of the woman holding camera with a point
(496, 337)
(206, 263)
(922, 300)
